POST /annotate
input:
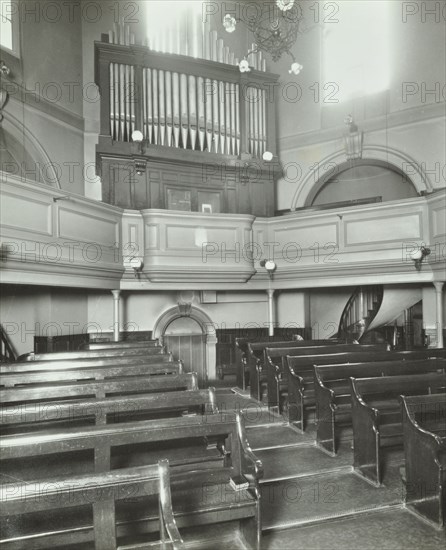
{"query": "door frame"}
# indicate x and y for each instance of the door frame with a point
(207, 327)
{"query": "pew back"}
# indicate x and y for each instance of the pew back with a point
(376, 415)
(91, 354)
(129, 385)
(277, 370)
(37, 414)
(198, 479)
(301, 391)
(120, 345)
(255, 358)
(332, 390)
(9, 380)
(100, 492)
(424, 429)
(28, 366)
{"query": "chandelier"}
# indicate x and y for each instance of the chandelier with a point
(275, 26)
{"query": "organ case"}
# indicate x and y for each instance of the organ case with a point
(205, 127)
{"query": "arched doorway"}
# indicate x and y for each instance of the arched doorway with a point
(177, 329)
(186, 340)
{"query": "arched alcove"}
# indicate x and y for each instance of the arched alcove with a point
(202, 320)
(361, 180)
(22, 155)
(373, 155)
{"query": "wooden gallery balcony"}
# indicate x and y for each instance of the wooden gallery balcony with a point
(203, 128)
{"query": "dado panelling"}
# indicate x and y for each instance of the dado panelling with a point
(57, 239)
(28, 214)
(182, 244)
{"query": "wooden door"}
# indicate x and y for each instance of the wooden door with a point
(185, 339)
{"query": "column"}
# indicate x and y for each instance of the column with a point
(439, 322)
(116, 314)
(270, 312)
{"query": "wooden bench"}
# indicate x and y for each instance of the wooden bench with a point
(256, 359)
(424, 429)
(41, 415)
(376, 416)
(11, 379)
(29, 366)
(332, 391)
(91, 354)
(200, 482)
(128, 385)
(277, 370)
(301, 396)
(242, 355)
(100, 493)
(123, 344)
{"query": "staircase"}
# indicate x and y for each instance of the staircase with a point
(360, 311)
(7, 354)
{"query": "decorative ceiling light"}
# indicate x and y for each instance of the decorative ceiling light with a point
(275, 27)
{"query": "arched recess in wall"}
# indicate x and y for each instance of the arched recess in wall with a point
(206, 325)
(374, 156)
(22, 155)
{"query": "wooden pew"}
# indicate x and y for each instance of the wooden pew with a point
(29, 366)
(91, 354)
(100, 493)
(256, 359)
(301, 375)
(200, 483)
(376, 416)
(128, 385)
(424, 429)
(120, 345)
(241, 355)
(11, 379)
(277, 371)
(332, 391)
(42, 415)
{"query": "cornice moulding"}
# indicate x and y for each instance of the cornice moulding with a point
(392, 120)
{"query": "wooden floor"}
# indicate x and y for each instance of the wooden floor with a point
(311, 500)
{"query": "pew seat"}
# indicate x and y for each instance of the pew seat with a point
(301, 384)
(91, 354)
(15, 379)
(200, 480)
(61, 364)
(101, 494)
(424, 429)
(332, 391)
(125, 385)
(41, 415)
(377, 416)
(257, 362)
(123, 344)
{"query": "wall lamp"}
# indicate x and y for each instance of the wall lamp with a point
(419, 255)
(270, 267)
(136, 264)
(62, 198)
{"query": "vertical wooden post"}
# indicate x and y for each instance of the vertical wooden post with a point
(439, 321)
(270, 293)
(116, 314)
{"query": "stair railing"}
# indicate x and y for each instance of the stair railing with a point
(7, 354)
(359, 312)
